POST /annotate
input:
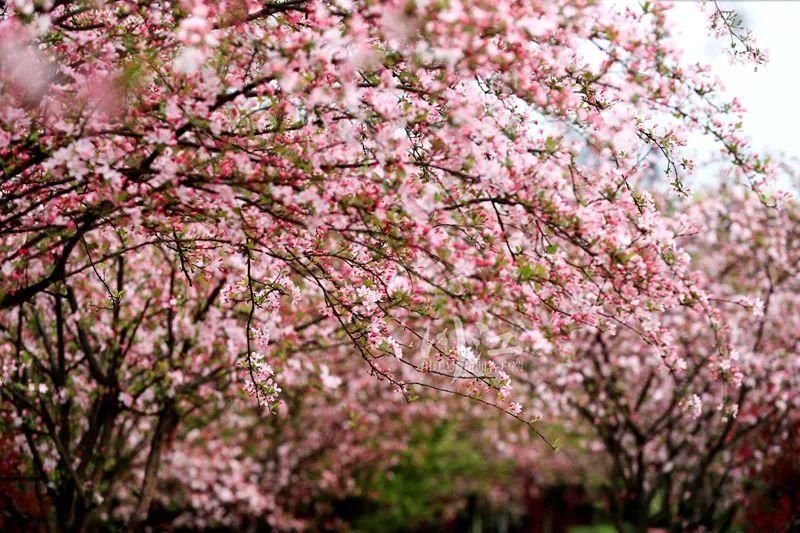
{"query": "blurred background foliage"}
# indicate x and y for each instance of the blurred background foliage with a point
(441, 479)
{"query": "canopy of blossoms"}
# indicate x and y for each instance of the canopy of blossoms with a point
(292, 198)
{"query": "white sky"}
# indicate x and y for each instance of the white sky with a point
(773, 116)
(772, 119)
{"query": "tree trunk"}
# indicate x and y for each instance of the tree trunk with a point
(166, 423)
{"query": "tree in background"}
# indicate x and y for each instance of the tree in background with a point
(680, 447)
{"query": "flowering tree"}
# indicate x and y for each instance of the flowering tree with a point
(244, 183)
(101, 396)
(680, 444)
(99, 370)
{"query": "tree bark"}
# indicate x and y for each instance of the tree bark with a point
(167, 422)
